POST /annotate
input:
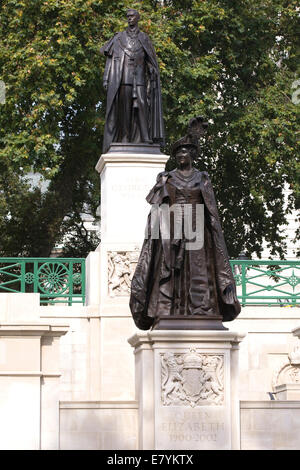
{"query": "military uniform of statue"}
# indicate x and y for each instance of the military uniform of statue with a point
(131, 76)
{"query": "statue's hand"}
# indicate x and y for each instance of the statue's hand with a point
(153, 72)
(230, 293)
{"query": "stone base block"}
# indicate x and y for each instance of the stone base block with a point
(197, 322)
(287, 391)
(127, 173)
(187, 389)
(100, 425)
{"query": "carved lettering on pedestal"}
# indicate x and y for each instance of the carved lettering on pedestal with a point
(121, 267)
(192, 379)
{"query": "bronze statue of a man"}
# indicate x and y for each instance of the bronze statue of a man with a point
(131, 78)
(174, 286)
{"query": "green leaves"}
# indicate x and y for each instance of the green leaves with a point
(233, 62)
(52, 72)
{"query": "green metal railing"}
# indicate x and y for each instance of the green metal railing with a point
(267, 282)
(62, 280)
(57, 280)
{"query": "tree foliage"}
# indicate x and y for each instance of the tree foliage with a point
(233, 62)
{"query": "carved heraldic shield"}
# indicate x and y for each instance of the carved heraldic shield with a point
(192, 379)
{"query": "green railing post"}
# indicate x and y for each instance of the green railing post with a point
(22, 277)
(83, 281)
(244, 284)
(35, 276)
(70, 283)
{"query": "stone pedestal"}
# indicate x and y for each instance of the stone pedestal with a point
(126, 179)
(187, 389)
(289, 391)
(127, 173)
(29, 375)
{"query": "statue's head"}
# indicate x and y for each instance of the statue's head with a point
(189, 144)
(185, 153)
(133, 17)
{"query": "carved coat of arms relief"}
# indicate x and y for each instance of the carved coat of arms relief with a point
(192, 379)
(121, 267)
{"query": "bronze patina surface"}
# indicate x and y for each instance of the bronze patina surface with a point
(175, 287)
(132, 81)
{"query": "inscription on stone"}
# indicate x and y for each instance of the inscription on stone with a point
(132, 190)
(193, 429)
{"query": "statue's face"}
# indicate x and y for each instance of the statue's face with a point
(183, 156)
(132, 17)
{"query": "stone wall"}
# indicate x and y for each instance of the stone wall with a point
(94, 368)
(270, 425)
(265, 348)
(99, 425)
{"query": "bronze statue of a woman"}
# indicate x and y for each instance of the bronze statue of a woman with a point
(175, 287)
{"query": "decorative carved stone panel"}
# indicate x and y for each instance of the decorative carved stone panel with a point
(289, 372)
(192, 379)
(121, 267)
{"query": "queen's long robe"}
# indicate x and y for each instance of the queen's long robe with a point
(171, 280)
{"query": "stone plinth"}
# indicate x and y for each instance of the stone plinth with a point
(126, 179)
(187, 389)
(127, 173)
(289, 391)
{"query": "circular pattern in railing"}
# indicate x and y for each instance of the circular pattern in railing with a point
(53, 278)
(238, 279)
(77, 279)
(293, 280)
(29, 278)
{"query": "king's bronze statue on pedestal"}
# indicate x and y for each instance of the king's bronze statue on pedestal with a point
(132, 81)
